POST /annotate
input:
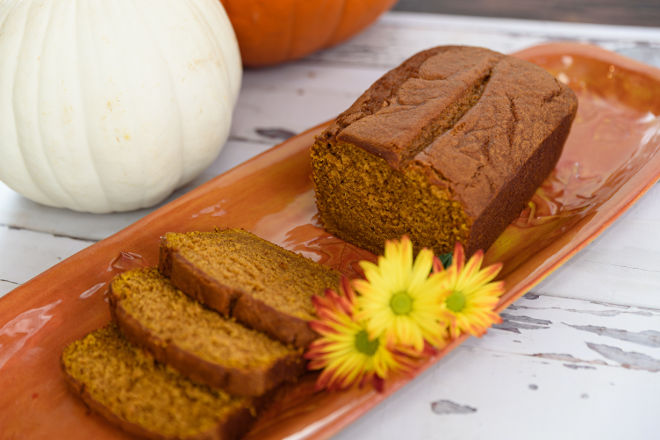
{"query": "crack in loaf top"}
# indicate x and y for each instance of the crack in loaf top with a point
(467, 117)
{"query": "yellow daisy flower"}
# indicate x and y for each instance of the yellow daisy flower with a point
(399, 297)
(344, 350)
(468, 296)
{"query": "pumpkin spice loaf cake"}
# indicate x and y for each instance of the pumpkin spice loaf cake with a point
(199, 342)
(447, 147)
(126, 386)
(260, 284)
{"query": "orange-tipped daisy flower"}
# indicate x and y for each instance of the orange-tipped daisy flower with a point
(399, 297)
(468, 294)
(344, 350)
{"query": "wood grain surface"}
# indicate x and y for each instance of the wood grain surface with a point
(622, 12)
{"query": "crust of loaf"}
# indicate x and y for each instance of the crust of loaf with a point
(514, 195)
(194, 282)
(281, 326)
(473, 132)
(236, 381)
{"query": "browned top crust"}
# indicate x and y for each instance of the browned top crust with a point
(467, 117)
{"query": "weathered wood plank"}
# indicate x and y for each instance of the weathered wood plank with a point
(398, 35)
(7, 286)
(296, 96)
(583, 334)
(25, 254)
(629, 12)
(477, 394)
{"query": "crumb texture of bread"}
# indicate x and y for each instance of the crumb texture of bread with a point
(447, 147)
(236, 267)
(148, 398)
(198, 341)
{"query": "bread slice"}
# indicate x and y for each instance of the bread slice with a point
(260, 284)
(449, 146)
(197, 341)
(126, 386)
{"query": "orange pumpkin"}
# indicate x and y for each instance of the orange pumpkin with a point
(272, 31)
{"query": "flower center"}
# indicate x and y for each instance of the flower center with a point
(364, 345)
(401, 303)
(456, 301)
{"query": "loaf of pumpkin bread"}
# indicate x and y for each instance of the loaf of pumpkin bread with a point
(258, 283)
(198, 342)
(128, 387)
(447, 147)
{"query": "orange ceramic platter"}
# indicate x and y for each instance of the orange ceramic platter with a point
(610, 159)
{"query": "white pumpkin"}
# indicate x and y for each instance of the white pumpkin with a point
(110, 105)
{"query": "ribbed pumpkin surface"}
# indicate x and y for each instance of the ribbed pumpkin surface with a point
(273, 31)
(111, 105)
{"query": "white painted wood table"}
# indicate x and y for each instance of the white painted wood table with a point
(578, 357)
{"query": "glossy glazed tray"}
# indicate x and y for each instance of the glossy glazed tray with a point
(610, 159)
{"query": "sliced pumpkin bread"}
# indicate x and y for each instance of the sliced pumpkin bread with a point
(197, 341)
(260, 284)
(128, 387)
